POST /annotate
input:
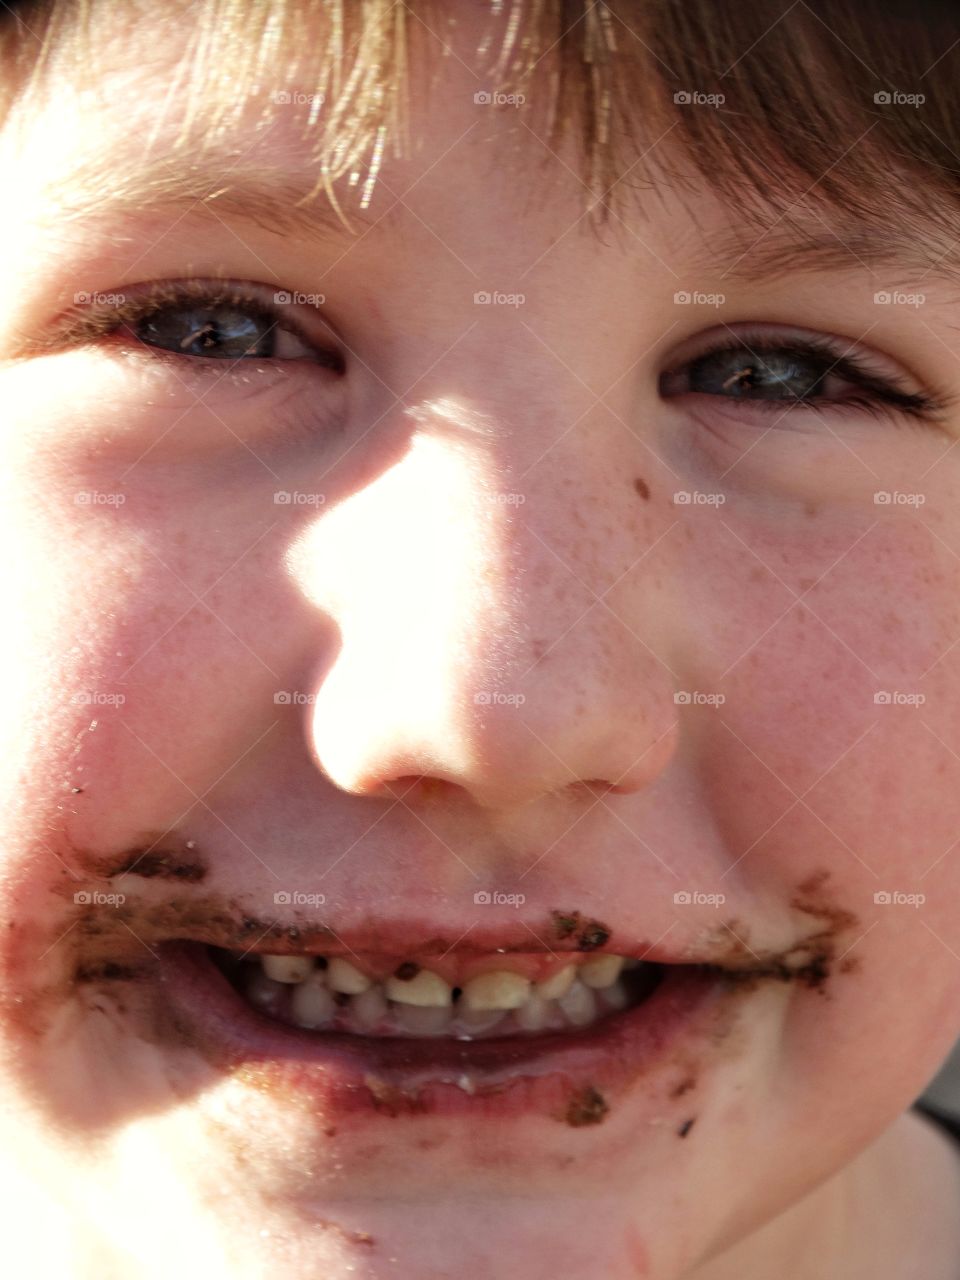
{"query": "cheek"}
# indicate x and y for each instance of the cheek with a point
(837, 745)
(838, 807)
(129, 668)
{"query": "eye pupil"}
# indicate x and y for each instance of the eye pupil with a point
(776, 375)
(222, 332)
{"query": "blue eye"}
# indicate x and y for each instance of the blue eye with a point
(213, 320)
(217, 333)
(777, 373)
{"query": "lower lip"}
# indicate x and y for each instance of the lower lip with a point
(569, 1075)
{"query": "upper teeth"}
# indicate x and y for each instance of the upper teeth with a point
(416, 1001)
(342, 976)
(425, 989)
(600, 971)
(497, 990)
(287, 968)
(557, 985)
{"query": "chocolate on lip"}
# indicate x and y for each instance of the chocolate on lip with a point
(146, 919)
(809, 957)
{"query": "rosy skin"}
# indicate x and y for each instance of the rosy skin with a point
(410, 588)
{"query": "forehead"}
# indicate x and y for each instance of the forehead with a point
(273, 137)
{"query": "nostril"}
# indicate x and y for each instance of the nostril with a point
(598, 786)
(411, 786)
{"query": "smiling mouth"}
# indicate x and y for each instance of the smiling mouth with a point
(493, 1034)
(388, 996)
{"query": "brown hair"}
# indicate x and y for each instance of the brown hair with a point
(852, 105)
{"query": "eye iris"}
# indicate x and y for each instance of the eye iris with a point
(223, 332)
(742, 376)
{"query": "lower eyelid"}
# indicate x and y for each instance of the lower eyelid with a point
(283, 394)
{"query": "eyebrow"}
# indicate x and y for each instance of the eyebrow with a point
(287, 201)
(822, 247)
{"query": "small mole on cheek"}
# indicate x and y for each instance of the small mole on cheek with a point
(642, 488)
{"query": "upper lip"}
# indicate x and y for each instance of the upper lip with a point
(420, 940)
(563, 932)
(238, 925)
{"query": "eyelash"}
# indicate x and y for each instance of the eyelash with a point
(84, 325)
(885, 400)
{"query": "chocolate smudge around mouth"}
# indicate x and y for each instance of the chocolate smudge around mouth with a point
(686, 1127)
(587, 1106)
(155, 865)
(163, 857)
(108, 971)
(811, 960)
(391, 1100)
(588, 934)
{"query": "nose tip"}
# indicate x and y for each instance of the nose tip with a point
(503, 766)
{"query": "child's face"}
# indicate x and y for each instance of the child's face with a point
(520, 663)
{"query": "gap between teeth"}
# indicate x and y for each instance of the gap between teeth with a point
(330, 993)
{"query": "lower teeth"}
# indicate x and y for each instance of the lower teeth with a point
(311, 1005)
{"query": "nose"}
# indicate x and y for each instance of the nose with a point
(496, 635)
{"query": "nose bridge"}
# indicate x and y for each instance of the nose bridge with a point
(486, 640)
